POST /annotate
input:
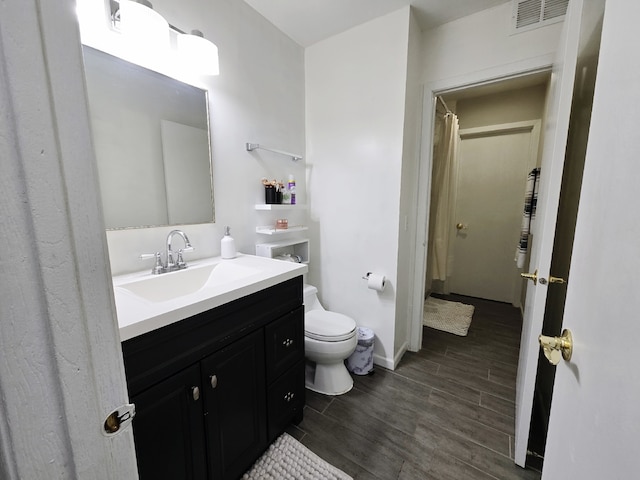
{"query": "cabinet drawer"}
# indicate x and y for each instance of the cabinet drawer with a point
(286, 398)
(284, 343)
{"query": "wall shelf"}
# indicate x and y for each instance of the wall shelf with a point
(279, 206)
(299, 248)
(270, 230)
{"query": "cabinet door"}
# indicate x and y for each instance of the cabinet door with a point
(168, 430)
(235, 406)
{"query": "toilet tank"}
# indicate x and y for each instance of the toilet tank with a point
(311, 301)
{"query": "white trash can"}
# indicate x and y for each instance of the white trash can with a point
(361, 360)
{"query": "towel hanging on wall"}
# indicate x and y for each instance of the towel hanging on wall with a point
(530, 203)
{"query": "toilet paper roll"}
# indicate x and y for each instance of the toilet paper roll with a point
(376, 282)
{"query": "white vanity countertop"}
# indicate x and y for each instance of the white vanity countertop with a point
(230, 280)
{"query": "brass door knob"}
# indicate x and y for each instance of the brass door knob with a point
(531, 276)
(555, 348)
(460, 226)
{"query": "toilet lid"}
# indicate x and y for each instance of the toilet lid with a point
(328, 326)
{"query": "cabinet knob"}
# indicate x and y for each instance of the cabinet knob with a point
(289, 396)
(195, 391)
(214, 381)
(287, 343)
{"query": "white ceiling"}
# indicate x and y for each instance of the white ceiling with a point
(310, 21)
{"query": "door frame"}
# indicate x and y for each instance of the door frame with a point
(532, 126)
(431, 92)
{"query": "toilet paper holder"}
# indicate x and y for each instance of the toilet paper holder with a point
(375, 281)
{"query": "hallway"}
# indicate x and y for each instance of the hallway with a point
(447, 412)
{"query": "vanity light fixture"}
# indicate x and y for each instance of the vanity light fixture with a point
(198, 53)
(148, 31)
(143, 27)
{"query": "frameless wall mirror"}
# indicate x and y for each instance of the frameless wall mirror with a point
(151, 136)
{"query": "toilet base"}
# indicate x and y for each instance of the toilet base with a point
(328, 379)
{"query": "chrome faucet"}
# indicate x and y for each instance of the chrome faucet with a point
(179, 263)
(170, 264)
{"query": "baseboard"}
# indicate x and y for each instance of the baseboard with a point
(382, 361)
(389, 363)
(401, 351)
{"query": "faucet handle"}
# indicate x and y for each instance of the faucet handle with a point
(180, 263)
(158, 267)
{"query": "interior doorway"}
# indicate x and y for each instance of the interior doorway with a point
(499, 138)
(516, 103)
(580, 37)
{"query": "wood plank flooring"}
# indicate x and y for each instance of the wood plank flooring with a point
(446, 412)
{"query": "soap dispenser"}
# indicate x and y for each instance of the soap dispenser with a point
(227, 245)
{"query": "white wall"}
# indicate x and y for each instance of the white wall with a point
(258, 97)
(355, 97)
(481, 45)
(504, 107)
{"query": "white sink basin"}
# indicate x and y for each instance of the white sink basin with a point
(172, 285)
(145, 302)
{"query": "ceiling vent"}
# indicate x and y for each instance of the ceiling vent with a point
(530, 14)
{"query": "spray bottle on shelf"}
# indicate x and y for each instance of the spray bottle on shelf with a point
(286, 194)
(291, 187)
(227, 245)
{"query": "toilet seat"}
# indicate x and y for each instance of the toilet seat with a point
(328, 326)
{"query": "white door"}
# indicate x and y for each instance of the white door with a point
(595, 413)
(555, 141)
(493, 163)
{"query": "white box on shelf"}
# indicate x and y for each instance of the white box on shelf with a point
(298, 247)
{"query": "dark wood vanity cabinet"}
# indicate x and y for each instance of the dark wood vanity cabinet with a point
(214, 390)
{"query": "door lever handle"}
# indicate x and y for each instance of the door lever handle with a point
(531, 276)
(556, 347)
(557, 280)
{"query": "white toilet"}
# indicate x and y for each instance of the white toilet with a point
(329, 338)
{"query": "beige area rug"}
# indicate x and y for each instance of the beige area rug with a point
(288, 459)
(451, 317)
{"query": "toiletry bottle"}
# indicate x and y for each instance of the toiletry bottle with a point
(291, 186)
(227, 245)
(286, 194)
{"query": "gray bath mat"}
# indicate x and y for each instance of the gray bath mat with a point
(288, 459)
(451, 317)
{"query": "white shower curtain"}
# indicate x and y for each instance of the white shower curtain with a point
(446, 141)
